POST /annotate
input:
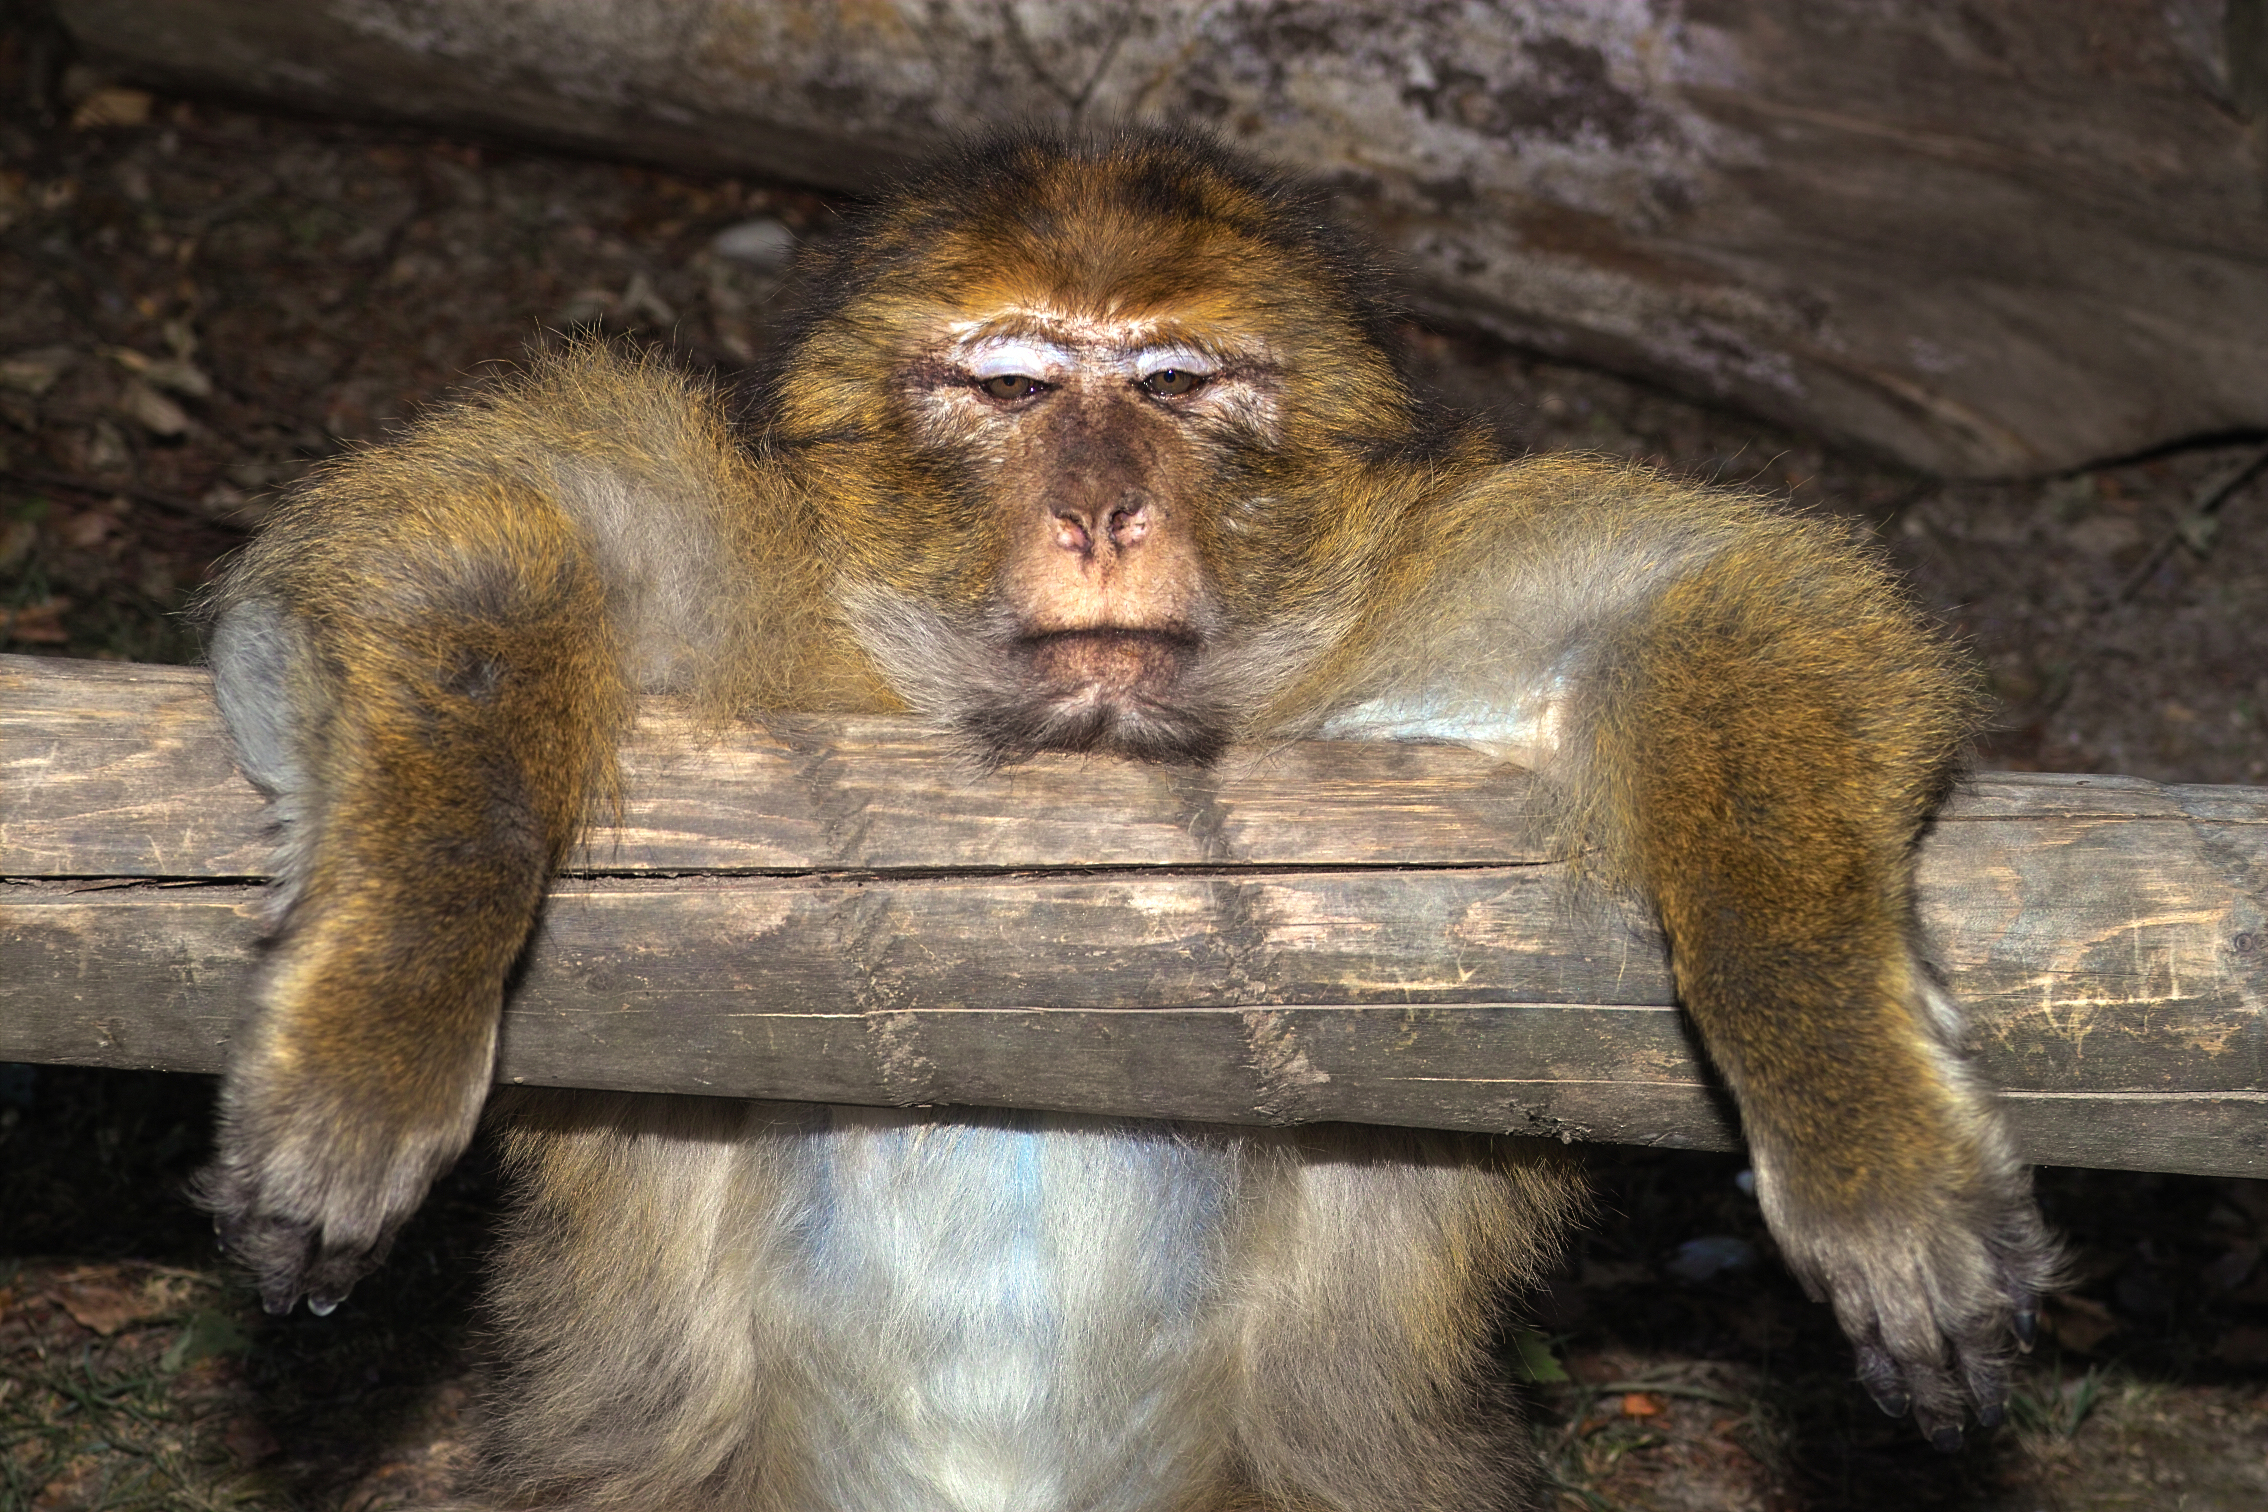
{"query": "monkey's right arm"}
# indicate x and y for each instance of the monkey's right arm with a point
(1746, 727)
(427, 660)
(430, 696)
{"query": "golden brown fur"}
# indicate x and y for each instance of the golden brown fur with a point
(1082, 445)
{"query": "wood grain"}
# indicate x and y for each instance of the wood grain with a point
(829, 911)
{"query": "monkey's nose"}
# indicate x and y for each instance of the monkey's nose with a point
(1083, 530)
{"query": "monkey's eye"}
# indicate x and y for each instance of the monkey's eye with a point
(1012, 386)
(1169, 383)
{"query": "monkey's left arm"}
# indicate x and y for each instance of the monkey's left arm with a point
(1751, 727)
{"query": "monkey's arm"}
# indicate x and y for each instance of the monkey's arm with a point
(1752, 726)
(430, 694)
(427, 660)
(1773, 742)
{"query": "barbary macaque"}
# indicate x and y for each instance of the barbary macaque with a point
(1081, 444)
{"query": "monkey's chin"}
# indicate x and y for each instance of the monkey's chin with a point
(1115, 692)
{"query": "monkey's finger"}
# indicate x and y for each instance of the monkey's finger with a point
(274, 1249)
(1941, 1397)
(1882, 1378)
(2030, 1265)
(1986, 1377)
(1926, 1389)
(2023, 1312)
(1943, 1433)
(1984, 1369)
(333, 1269)
(322, 1301)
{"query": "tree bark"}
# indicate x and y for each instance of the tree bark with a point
(1990, 238)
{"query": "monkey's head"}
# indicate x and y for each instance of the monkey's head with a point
(1104, 441)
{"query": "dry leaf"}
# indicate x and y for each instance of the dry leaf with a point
(2079, 1322)
(100, 1298)
(80, 1485)
(248, 1440)
(106, 1298)
(112, 106)
(151, 410)
(40, 623)
(35, 372)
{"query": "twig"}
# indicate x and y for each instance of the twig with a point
(2203, 507)
(1075, 103)
(95, 486)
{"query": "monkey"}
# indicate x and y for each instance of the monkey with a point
(1092, 443)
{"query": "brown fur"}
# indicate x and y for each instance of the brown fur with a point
(1089, 445)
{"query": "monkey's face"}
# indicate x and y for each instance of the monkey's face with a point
(1099, 462)
(1096, 442)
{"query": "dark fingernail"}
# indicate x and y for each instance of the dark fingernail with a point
(1893, 1403)
(2027, 1327)
(1945, 1440)
(322, 1307)
(1990, 1414)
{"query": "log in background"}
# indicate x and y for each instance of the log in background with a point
(831, 910)
(2003, 237)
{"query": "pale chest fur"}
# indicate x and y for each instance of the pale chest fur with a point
(1016, 1313)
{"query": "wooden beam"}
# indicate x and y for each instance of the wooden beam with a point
(829, 910)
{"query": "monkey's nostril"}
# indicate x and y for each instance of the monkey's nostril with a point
(1072, 531)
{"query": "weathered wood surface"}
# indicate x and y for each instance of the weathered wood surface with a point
(2006, 236)
(1324, 931)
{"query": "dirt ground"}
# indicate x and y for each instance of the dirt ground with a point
(199, 302)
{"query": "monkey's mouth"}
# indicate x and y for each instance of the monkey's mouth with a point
(1106, 665)
(1126, 692)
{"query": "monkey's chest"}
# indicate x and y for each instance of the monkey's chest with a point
(1018, 1311)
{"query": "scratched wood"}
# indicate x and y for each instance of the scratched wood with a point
(1329, 931)
(118, 770)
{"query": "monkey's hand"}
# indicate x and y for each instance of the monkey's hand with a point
(345, 1106)
(1935, 1261)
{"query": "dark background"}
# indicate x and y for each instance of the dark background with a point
(199, 301)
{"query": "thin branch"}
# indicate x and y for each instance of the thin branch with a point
(2202, 508)
(96, 487)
